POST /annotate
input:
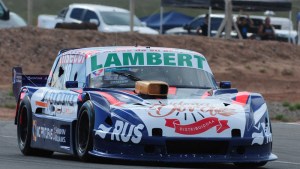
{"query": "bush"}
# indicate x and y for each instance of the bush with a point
(297, 106)
(281, 117)
(285, 104)
(292, 107)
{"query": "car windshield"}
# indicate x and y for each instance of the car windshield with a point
(125, 77)
(119, 18)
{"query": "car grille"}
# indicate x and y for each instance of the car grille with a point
(197, 147)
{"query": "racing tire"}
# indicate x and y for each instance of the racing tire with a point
(24, 131)
(84, 132)
(252, 165)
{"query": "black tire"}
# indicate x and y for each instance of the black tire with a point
(24, 130)
(84, 131)
(251, 165)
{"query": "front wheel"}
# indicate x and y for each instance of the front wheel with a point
(252, 165)
(84, 131)
(24, 130)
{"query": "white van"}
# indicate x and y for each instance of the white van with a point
(9, 19)
(107, 18)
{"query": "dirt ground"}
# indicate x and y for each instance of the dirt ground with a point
(268, 67)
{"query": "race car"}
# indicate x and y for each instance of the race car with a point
(140, 103)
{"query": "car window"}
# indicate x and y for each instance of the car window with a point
(89, 15)
(1, 10)
(78, 74)
(60, 74)
(77, 13)
(174, 76)
(63, 12)
(119, 18)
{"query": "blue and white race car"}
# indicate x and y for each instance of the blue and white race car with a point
(140, 103)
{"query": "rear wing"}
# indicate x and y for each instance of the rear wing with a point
(19, 80)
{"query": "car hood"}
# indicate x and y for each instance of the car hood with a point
(193, 116)
(125, 28)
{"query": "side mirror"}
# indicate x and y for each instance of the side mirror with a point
(71, 84)
(5, 15)
(95, 21)
(225, 84)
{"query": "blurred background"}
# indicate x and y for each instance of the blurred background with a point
(142, 8)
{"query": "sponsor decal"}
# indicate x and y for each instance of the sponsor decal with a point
(163, 110)
(263, 135)
(41, 104)
(198, 127)
(58, 103)
(72, 58)
(154, 58)
(122, 131)
(55, 134)
(99, 72)
(61, 98)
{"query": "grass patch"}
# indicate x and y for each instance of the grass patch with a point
(292, 107)
(285, 104)
(11, 93)
(10, 106)
(281, 117)
(297, 106)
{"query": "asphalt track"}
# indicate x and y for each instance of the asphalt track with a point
(286, 145)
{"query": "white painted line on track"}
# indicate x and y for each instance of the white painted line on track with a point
(297, 124)
(286, 162)
(293, 124)
(8, 136)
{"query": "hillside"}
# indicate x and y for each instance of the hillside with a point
(271, 68)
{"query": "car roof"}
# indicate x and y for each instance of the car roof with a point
(87, 52)
(97, 7)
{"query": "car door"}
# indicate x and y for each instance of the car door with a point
(76, 15)
(90, 15)
(56, 101)
(55, 109)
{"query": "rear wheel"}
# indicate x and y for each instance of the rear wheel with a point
(84, 131)
(252, 165)
(24, 131)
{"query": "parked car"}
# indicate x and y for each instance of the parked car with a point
(140, 103)
(107, 18)
(283, 27)
(191, 27)
(9, 19)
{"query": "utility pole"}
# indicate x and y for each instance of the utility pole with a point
(228, 13)
(132, 6)
(29, 12)
(228, 22)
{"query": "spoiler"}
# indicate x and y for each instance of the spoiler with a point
(19, 80)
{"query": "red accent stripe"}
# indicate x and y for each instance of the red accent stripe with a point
(22, 96)
(111, 99)
(78, 91)
(205, 95)
(242, 97)
(128, 91)
(172, 90)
